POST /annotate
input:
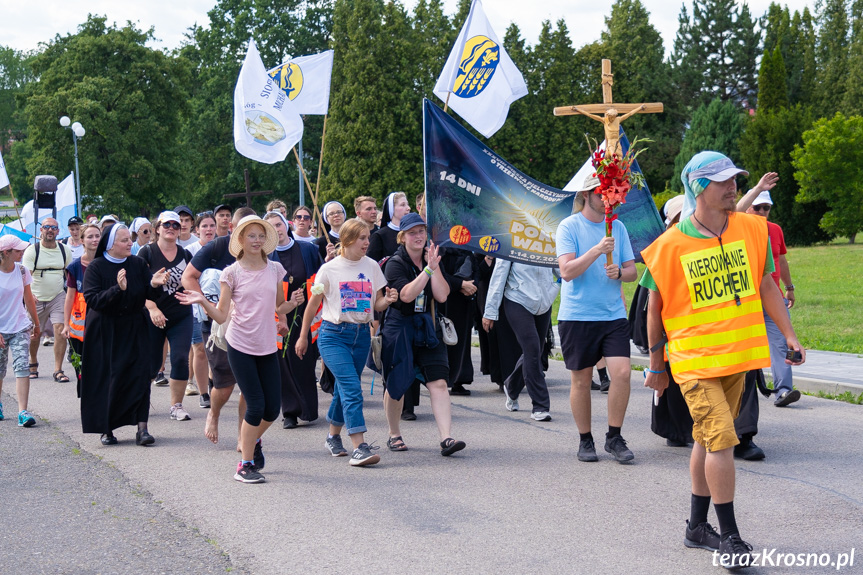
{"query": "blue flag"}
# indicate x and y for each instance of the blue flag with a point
(478, 201)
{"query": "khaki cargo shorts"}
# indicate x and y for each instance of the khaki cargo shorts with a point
(714, 405)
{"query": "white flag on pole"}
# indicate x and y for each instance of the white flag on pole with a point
(266, 125)
(480, 75)
(306, 81)
(4, 178)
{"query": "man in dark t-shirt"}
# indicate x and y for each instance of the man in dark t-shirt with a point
(215, 255)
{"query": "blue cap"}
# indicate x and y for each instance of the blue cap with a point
(409, 221)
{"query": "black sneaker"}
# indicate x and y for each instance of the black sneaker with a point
(204, 401)
(604, 384)
(748, 451)
(587, 450)
(594, 386)
(144, 438)
(787, 398)
(704, 536)
(617, 447)
(248, 473)
(734, 552)
(363, 455)
(290, 422)
(335, 447)
(258, 456)
(161, 380)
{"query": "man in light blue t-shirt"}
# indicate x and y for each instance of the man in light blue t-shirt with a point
(592, 316)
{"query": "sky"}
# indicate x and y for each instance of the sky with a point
(24, 24)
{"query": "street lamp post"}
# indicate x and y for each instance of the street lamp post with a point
(78, 132)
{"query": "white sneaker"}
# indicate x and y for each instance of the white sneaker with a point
(541, 416)
(178, 413)
(511, 404)
(191, 388)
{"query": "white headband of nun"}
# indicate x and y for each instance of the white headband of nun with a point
(112, 234)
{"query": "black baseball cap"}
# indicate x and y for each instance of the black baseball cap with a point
(184, 210)
(74, 220)
(223, 207)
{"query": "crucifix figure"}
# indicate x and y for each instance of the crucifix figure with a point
(610, 112)
(248, 193)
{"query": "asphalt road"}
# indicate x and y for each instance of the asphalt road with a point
(515, 501)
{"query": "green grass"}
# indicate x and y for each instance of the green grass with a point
(829, 287)
(845, 396)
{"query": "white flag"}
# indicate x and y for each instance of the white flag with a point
(266, 126)
(4, 178)
(306, 81)
(480, 75)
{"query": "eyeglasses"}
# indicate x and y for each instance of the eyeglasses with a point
(144, 232)
(204, 214)
(760, 207)
(55, 228)
(171, 225)
(302, 217)
(334, 214)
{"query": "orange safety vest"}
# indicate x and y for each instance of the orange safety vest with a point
(316, 322)
(77, 317)
(710, 332)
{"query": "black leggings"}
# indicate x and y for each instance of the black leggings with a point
(259, 380)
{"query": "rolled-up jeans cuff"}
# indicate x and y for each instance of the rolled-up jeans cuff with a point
(358, 429)
(334, 422)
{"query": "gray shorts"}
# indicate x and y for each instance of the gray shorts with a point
(52, 310)
(19, 345)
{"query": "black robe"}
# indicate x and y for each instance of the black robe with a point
(115, 381)
(458, 265)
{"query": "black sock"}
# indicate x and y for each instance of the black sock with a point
(727, 523)
(612, 432)
(603, 372)
(586, 436)
(698, 508)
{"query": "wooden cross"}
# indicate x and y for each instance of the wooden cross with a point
(248, 193)
(609, 112)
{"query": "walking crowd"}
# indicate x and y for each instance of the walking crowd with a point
(234, 299)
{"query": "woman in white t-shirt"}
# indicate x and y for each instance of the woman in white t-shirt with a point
(15, 326)
(351, 286)
(254, 285)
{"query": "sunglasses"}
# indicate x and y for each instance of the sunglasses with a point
(55, 228)
(171, 225)
(302, 217)
(761, 207)
(204, 214)
(144, 232)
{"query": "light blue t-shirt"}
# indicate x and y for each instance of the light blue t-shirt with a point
(592, 296)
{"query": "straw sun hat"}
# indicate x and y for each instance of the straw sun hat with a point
(272, 236)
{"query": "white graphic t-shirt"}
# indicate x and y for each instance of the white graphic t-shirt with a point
(350, 289)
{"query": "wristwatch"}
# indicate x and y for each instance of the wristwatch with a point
(620, 273)
(789, 287)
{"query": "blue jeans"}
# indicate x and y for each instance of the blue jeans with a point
(344, 348)
(782, 379)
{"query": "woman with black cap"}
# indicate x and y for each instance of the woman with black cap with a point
(115, 379)
(383, 242)
(334, 215)
(301, 262)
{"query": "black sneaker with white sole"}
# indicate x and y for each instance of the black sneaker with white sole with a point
(363, 455)
(335, 447)
(703, 536)
(248, 473)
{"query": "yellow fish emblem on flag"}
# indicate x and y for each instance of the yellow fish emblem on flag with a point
(478, 63)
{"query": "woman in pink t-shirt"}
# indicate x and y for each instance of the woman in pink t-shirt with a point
(253, 286)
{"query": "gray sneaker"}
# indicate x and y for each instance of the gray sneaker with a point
(617, 447)
(363, 455)
(587, 450)
(511, 404)
(335, 447)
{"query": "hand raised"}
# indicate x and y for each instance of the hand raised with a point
(121, 279)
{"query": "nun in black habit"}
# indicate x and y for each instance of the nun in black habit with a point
(334, 215)
(383, 242)
(115, 372)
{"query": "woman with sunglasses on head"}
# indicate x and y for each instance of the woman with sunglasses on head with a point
(254, 285)
(115, 379)
(142, 234)
(334, 216)
(351, 287)
(303, 225)
(75, 308)
(169, 318)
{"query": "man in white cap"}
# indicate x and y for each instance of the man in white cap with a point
(782, 379)
(592, 318)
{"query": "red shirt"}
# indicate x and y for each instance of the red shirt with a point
(777, 246)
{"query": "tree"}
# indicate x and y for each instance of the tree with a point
(15, 74)
(854, 94)
(716, 126)
(129, 98)
(832, 56)
(766, 145)
(772, 87)
(830, 169)
(800, 61)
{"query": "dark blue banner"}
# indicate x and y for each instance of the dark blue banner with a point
(478, 201)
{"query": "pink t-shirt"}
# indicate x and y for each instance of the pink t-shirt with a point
(252, 329)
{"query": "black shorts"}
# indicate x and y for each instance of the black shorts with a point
(223, 377)
(432, 362)
(584, 343)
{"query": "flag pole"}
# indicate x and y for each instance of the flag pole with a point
(460, 53)
(446, 104)
(312, 194)
(321, 159)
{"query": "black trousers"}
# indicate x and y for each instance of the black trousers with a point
(530, 331)
(258, 378)
(299, 386)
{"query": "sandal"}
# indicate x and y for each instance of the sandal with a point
(449, 446)
(396, 444)
(34, 374)
(60, 377)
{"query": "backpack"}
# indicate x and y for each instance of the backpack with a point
(36, 268)
(220, 330)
